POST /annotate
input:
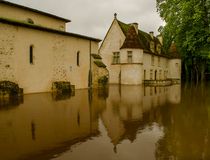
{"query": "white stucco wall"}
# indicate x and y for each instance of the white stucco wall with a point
(131, 74)
(162, 66)
(15, 13)
(55, 58)
(112, 43)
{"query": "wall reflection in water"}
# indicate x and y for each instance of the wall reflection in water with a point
(41, 127)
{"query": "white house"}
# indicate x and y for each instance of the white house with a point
(35, 50)
(134, 57)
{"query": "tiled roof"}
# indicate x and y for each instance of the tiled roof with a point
(96, 56)
(132, 39)
(142, 41)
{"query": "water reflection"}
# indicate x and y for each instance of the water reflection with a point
(132, 108)
(10, 102)
(118, 122)
(186, 126)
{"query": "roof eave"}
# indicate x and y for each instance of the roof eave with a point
(32, 26)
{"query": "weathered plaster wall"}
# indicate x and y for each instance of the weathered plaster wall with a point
(137, 55)
(161, 66)
(7, 59)
(98, 72)
(55, 58)
(12, 12)
(112, 43)
(131, 74)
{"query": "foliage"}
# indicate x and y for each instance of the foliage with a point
(9, 87)
(188, 25)
(103, 80)
(61, 87)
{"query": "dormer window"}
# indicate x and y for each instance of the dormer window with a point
(152, 46)
(29, 20)
(158, 49)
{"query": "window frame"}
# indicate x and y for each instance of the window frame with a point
(116, 58)
(129, 56)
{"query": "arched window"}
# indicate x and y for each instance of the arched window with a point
(29, 20)
(31, 48)
(78, 58)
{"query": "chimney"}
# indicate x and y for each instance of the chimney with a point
(135, 25)
(151, 34)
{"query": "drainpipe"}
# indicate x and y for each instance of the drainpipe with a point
(90, 69)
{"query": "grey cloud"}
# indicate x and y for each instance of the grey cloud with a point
(93, 17)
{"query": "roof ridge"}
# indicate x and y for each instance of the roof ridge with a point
(34, 26)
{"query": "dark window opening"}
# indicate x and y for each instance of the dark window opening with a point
(78, 54)
(31, 54)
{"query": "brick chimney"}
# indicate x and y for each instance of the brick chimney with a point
(151, 34)
(135, 25)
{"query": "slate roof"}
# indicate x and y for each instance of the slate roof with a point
(142, 40)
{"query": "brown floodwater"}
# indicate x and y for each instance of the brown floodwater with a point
(115, 123)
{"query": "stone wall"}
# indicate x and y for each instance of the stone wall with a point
(54, 58)
(20, 14)
(100, 74)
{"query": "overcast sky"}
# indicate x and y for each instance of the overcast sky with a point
(94, 17)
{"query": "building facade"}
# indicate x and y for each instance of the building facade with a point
(36, 50)
(134, 57)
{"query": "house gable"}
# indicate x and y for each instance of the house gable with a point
(114, 38)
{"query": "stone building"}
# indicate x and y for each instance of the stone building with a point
(36, 50)
(134, 57)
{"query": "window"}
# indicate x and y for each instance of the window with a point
(152, 60)
(116, 57)
(78, 57)
(130, 56)
(31, 48)
(159, 61)
(152, 46)
(151, 74)
(29, 20)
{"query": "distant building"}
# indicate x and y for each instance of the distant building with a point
(36, 50)
(134, 57)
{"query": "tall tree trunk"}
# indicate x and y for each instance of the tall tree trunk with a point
(196, 74)
(203, 65)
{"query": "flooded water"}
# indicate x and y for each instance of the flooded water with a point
(117, 123)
